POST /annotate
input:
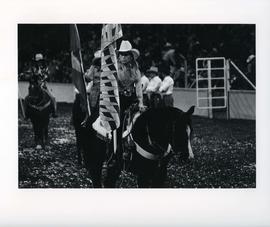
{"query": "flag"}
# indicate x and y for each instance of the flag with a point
(109, 109)
(77, 67)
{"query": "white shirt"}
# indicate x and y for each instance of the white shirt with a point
(166, 86)
(145, 82)
(154, 84)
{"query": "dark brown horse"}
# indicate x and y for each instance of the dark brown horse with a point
(38, 107)
(158, 134)
(155, 136)
(91, 150)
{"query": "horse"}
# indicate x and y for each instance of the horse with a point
(91, 150)
(153, 136)
(151, 139)
(38, 107)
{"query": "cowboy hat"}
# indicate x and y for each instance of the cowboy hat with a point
(153, 69)
(127, 47)
(39, 57)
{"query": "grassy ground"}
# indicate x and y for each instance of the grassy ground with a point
(225, 157)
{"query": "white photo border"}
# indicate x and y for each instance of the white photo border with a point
(131, 207)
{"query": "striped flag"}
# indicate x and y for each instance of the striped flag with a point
(109, 109)
(77, 67)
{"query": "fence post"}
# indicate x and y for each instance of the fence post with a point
(186, 76)
(210, 110)
(228, 88)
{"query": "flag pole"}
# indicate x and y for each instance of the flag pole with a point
(78, 70)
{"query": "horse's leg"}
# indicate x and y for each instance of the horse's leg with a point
(113, 169)
(35, 132)
(115, 163)
(113, 173)
(143, 181)
(160, 177)
(95, 172)
(78, 145)
(94, 158)
(42, 136)
(38, 134)
(46, 135)
(77, 118)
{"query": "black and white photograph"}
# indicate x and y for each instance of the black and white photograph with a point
(137, 105)
(141, 113)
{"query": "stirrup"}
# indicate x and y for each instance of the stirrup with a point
(129, 127)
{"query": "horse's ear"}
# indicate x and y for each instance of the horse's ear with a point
(191, 110)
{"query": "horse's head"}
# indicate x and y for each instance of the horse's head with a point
(181, 134)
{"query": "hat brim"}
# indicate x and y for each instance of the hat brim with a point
(37, 60)
(151, 71)
(134, 52)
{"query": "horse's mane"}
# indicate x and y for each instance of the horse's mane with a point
(171, 113)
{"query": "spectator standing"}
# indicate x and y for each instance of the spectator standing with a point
(153, 87)
(173, 58)
(145, 82)
(166, 89)
(251, 68)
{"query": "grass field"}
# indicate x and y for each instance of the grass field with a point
(225, 157)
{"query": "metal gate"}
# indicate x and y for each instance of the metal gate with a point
(211, 83)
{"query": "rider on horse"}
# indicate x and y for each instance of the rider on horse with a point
(129, 77)
(130, 93)
(40, 74)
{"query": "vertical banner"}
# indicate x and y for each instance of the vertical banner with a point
(109, 97)
(77, 67)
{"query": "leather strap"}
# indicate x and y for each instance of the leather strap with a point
(149, 155)
(40, 108)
